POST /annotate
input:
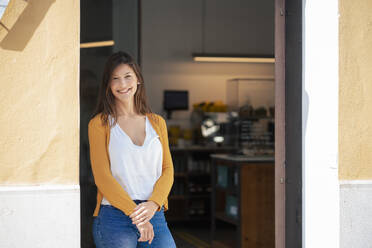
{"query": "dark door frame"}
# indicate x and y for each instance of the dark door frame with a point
(288, 123)
(280, 123)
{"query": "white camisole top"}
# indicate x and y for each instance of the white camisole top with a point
(136, 168)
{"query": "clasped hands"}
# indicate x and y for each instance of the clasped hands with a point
(141, 217)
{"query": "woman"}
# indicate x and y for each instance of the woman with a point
(131, 162)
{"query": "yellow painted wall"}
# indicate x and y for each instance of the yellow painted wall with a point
(39, 96)
(355, 90)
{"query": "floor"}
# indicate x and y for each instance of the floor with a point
(190, 236)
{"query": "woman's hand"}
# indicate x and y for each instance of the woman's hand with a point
(143, 212)
(147, 232)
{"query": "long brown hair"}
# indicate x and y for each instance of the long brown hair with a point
(106, 100)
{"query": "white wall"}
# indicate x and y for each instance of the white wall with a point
(252, 91)
(320, 125)
(171, 32)
(40, 216)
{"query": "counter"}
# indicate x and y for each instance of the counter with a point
(243, 158)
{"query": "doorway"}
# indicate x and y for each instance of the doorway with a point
(108, 17)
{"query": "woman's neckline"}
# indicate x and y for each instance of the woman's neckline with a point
(130, 139)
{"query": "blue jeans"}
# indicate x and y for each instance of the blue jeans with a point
(113, 229)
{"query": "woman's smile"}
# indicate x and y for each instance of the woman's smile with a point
(125, 91)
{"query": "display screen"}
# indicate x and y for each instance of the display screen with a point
(176, 100)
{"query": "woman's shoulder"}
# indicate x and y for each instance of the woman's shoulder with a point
(96, 121)
(157, 118)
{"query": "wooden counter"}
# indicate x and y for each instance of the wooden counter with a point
(243, 198)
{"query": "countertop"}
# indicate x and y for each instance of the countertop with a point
(243, 158)
(201, 148)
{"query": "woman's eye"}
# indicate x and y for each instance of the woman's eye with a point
(127, 76)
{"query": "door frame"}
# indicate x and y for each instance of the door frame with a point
(279, 123)
(288, 123)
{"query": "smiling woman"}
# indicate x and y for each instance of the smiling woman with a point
(131, 161)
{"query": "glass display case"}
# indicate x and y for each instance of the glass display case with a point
(253, 101)
(255, 92)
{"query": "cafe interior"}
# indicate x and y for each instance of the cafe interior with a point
(208, 68)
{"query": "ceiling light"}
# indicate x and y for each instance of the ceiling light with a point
(97, 44)
(237, 59)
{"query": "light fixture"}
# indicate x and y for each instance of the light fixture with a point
(232, 58)
(97, 44)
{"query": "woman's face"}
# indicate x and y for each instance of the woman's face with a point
(123, 83)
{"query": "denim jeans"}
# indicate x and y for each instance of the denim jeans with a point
(113, 229)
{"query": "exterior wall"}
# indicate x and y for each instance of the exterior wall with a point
(355, 133)
(39, 123)
(39, 118)
(356, 214)
(355, 90)
(40, 216)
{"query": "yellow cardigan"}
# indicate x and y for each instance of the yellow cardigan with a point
(107, 185)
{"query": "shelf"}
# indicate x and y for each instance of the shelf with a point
(199, 148)
(189, 218)
(199, 217)
(189, 196)
(177, 197)
(176, 219)
(224, 217)
(192, 171)
(180, 174)
(199, 196)
(257, 117)
(198, 174)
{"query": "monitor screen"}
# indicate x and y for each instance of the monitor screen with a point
(176, 100)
